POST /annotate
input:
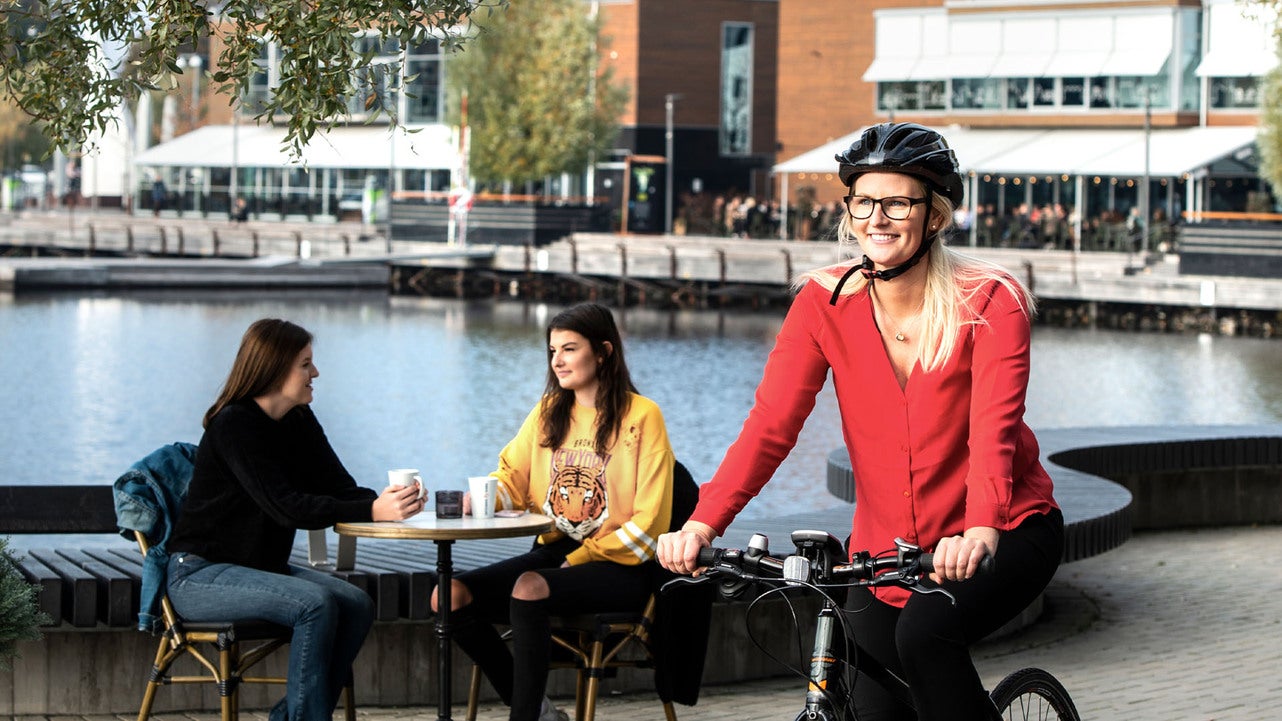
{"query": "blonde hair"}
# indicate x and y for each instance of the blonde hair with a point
(953, 286)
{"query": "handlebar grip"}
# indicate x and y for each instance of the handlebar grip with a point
(986, 564)
(708, 556)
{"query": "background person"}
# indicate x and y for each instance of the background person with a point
(594, 456)
(264, 469)
(929, 353)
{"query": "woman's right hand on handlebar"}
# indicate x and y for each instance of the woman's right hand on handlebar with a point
(679, 550)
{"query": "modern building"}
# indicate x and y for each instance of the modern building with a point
(709, 79)
(1045, 101)
(705, 71)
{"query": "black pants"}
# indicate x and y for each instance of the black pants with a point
(927, 642)
(597, 587)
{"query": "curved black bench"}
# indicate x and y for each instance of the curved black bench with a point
(1110, 480)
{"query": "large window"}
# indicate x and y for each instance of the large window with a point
(1044, 94)
(1088, 60)
(1017, 93)
(736, 88)
(423, 92)
(912, 95)
(375, 85)
(408, 83)
(1072, 92)
(1131, 92)
(1235, 93)
(263, 80)
(977, 94)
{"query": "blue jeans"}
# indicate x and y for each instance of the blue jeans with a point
(330, 618)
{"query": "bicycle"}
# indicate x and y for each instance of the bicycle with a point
(820, 564)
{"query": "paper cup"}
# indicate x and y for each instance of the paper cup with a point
(483, 490)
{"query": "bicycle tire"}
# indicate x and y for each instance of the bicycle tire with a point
(1032, 693)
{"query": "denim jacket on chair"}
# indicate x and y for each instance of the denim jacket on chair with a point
(148, 497)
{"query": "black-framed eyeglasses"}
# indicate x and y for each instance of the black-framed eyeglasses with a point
(896, 207)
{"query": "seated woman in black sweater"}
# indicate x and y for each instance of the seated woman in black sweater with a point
(263, 470)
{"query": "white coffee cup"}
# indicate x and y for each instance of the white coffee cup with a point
(483, 490)
(406, 477)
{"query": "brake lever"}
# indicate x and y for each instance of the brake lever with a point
(684, 580)
(925, 589)
(913, 580)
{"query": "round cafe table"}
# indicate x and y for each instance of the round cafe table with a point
(444, 532)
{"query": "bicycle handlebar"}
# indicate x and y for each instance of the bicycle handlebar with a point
(819, 564)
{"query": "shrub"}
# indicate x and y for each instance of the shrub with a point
(20, 617)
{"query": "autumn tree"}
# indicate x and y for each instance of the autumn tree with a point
(538, 104)
(54, 68)
(21, 141)
(1269, 140)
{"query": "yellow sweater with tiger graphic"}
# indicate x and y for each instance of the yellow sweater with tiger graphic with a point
(616, 505)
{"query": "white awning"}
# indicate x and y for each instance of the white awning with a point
(972, 44)
(899, 38)
(889, 69)
(1056, 152)
(1238, 46)
(820, 159)
(365, 146)
(1142, 44)
(1082, 46)
(1071, 151)
(934, 61)
(923, 44)
(1026, 48)
(1172, 151)
(1236, 63)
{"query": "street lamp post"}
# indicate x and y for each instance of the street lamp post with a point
(193, 62)
(668, 101)
(1144, 199)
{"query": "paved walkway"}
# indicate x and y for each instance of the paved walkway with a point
(1178, 625)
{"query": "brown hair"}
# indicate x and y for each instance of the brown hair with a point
(267, 351)
(614, 383)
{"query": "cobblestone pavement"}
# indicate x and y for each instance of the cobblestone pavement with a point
(1178, 625)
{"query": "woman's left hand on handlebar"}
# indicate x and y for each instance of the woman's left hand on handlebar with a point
(957, 557)
(679, 551)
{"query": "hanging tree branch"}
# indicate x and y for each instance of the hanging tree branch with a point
(54, 68)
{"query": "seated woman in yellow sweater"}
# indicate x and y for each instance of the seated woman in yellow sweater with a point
(594, 456)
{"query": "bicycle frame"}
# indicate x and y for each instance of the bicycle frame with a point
(819, 563)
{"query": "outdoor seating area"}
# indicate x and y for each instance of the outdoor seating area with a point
(90, 583)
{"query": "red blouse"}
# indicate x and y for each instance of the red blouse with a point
(948, 452)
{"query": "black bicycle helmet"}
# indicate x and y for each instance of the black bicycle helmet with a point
(906, 148)
(910, 149)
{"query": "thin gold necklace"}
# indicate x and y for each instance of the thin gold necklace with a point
(899, 327)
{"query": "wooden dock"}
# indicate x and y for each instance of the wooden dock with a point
(118, 252)
(705, 271)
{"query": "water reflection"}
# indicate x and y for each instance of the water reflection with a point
(94, 382)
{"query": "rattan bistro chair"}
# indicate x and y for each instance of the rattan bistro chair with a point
(598, 644)
(147, 498)
(227, 665)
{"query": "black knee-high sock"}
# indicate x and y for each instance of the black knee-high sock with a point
(482, 643)
(531, 648)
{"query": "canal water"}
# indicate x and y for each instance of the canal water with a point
(88, 384)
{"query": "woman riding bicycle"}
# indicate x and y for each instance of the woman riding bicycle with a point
(929, 353)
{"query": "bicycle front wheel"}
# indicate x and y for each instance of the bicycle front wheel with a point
(1032, 693)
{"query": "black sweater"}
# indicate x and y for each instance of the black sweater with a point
(256, 481)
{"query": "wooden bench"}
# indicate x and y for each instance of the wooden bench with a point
(1111, 480)
(94, 578)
